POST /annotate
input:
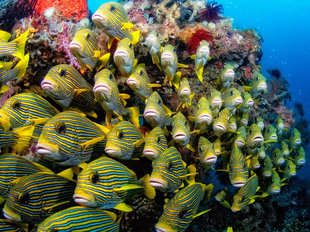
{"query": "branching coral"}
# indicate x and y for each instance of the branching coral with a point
(211, 12)
(196, 38)
(136, 15)
(286, 115)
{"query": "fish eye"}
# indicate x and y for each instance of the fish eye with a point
(200, 149)
(158, 139)
(141, 72)
(112, 8)
(157, 34)
(94, 177)
(60, 128)
(23, 198)
(159, 101)
(174, 50)
(62, 72)
(130, 45)
(111, 76)
(87, 36)
(120, 135)
(186, 123)
(231, 93)
(182, 213)
(15, 104)
(169, 166)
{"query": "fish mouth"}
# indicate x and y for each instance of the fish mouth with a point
(164, 229)
(230, 73)
(217, 102)
(301, 162)
(158, 183)
(121, 54)
(267, 174)
(204, 50)
(46, 150)
(297, 142)
(250, 103)
(11, 216)
(240, 143)
(204, 118)
(75, 45)
(185, 92)
(98, 17)
(179, 137)
(261, 125)
(101, 88)
(167, 56)
(256, 166)
(131, 81)
(150, 113)
(219, 127)
(262, 86)
(233, 127)
(47, 85)
(112, 152)
(274, 137)
(238, 100)
(238, 184)
(280, 161)
(83, 201)
(258, 139)
(293, 173)
(150, 153)
(262, 155)
(275, 191)
(210, 160)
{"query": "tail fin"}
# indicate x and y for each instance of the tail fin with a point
(22, 66)
(5, 36)
(21, 41)
(24, 137)
(149, 190)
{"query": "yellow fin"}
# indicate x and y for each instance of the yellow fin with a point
(79, 91)
(110, 42)
(67, 173)
(191, 98)
(104, 129)
(191, 169)
(135, 63)
(135, 37)
(168, 111)
(154, 85)
(189, 147)
(247, 88)
(251, 201)
(134, 114)
(176, 80)
(83, 165)
(139, 142)
(123, 207)
(91, 114)
(49, 208)
(208, 193)
(126, 26)
(96, 54)
(195, 131)
(22, 66)
(193, 57)
(21, 40)
(5, 124)
(124, 95)
(104, 60)
(38, 121)
(127, 187)
(5, 36)
(6, 65)
(149, 190)
(199, 72)
(2, 200)
(191, 118)
(201, 213)
(182, 65)
(92, 141)
(25, 135)
(229, 229)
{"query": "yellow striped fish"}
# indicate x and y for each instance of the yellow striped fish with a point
(255, 138)
(181, 210)
(153, 44)
(231, 98)
(247, 102)
(275, 186)
(207, 156)
(14, 48)
(124, 140)
(227, 76)
(37, 196)
(124, 57)
(79, 218)
(284, 148)
(185, 95)
(279, 125)
(68, 138)
(270, 134)
(7, 225)
(181, 133)
(245, 194)
(238, 170)
(295, 138)
(258, 86)
(241, 137)
(261, 153)
(289, 170)
(221, 123)
(267, 169)
(106, 183)
(13, 167)
(300, 158)
(233, 123)
(260, 123)
(108, 96)
(155, 112)
(215, 99)
(201, 57)
(277, 157)
(27, 109)
(66, 86)
(169, 171)
(203, 115)
(155, 143)
(84, 47)
(244, 119)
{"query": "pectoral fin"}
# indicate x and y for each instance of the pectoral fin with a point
(123, 207)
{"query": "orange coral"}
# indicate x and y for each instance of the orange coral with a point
(187, 33)
(75, 10)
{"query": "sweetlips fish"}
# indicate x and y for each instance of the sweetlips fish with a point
(255, 138)
(153, 44)
(155, 112)
(244, 119)
(207, 155)
(108, 96)
(217, 146)
(295, 138)
(106, 183)
(9, 72)
(231, 98)
(37, 196)
(247, 102)
(184, 94)
(257, 87)
(233, 123)
(84, 47)
(155, 143)
(222, 197)
(181, 133)
(13, 48)
(245, 194)
(253, 162)
(275, 186)
(124, 57)
(289, 170)
(112, 18)
(181, 210)
(66, 86)
(277, 157)
(221, 123)
(284, 148)
(261, 152)
(124, 140)
(13, 167)
(79, 218)
(279, 124)
(201, 57)
(260, 123)
(227, 76)
(169, 171)
(26, 109)
(270, 134)
(140, 83)
(215, 99)
(300, 158)
(68, 139)
(7, 225)
(169, 63)
(241, 137)
(238, 170)
(267, 170)
(203, 115)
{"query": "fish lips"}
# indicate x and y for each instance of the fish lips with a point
(151, 113)
(210, 159)
(11, 215)
(150, 153)
(167, 56)
(180, 137)
(114, 152)
(185, 92)
(258, 139)
(237, 100)
(238, 183)
(75, 46)
(240, 143)
(101, 88)
(204, 118)
(132, 82)
(85, 200)
(275, 190)
(99, 19)
(158, 183)
(48, 151)
(219, 127)
(120, 56)
(46, 85)
(262, 86)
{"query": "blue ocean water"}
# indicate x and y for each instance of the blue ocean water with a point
(284, 27)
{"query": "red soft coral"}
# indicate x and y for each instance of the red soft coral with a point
(196, 38)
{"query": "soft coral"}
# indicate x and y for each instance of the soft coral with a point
(196, 38)
(211, 12)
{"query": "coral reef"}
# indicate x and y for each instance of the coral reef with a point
(211, 12)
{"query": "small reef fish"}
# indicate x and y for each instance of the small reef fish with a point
(66, 86)
(201, 57)
(260, 123)
(261, 153)
(289, 170)
(181, 210)
(124, 140)
(7, 225)
(275, 186)
(295, 138)
(207, 155)
(267, 169)
(13, 48)
(217, 146)
(253, 162)
(169, 63)
(215, 99)
(13, 167)
(155, 112)
(238, 171)
(277, 157)
(241, 137)
(255, 138)
(300, 158)
(68, 139)
(108, 96)
(153, 44)
(221, 123)
(155, 143)
(106, 183)
(270, 134)
(247, 102)
(169, 171)
(257, 87)
(203, 115)
(9, 73)
(184, 94)
(279, 124)
(245, 194)
(124, 57)
(284, 148)
(181, 133)
(37, 196)
(140, 83)
(231, 98)
(84, 47)
(233, 123)
(227, 76)
(79, 218)
(244, 119)
(27, 109)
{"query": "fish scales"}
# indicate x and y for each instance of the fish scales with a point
(238, 172)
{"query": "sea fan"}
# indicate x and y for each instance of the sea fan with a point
(211, 12)
(196, 38)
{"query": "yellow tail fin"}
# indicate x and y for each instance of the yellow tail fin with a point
(21, 40)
